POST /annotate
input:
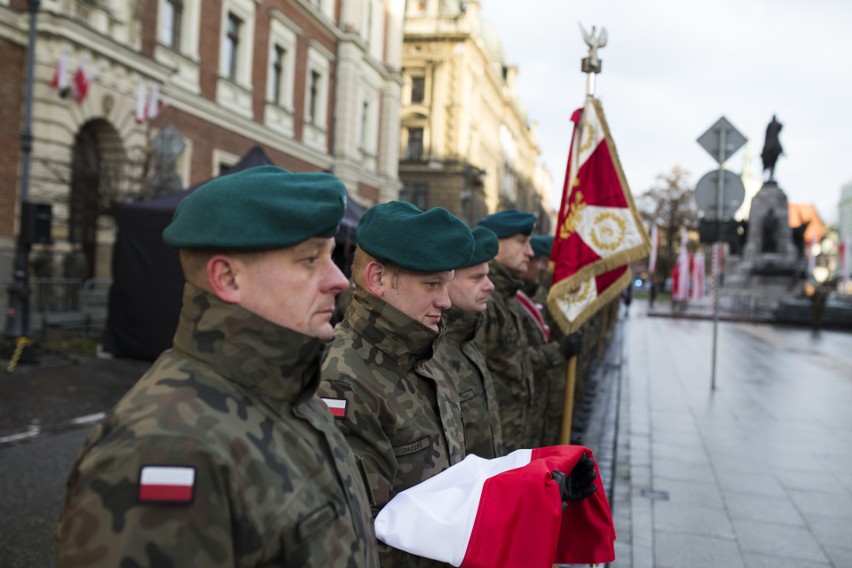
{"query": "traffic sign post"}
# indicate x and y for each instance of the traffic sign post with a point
(721, 141)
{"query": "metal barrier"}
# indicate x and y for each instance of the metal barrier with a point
(66, 302)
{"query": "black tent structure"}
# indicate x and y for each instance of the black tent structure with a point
(147, 287)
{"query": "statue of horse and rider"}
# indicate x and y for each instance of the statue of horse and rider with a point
(772, 147)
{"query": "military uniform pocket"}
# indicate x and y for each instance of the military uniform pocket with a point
(316, 520)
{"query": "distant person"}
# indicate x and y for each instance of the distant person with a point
(75, 269)
(652, 294)
(222, 455)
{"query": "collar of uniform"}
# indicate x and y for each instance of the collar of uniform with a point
(461, 325)
(399, 336)
(247, 349)
(506, 283)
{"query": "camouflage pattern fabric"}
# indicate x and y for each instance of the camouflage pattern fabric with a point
(480, 412)
(549, 368)
(402, 416)
(275, 483)
(504, 344)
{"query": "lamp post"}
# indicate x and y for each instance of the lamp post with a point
(18, 311)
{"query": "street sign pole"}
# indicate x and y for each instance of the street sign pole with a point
(720, 141)
(716, 246)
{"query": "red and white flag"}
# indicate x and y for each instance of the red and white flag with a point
(681, 274)
(60, 73)
(80, 86)
(696, 292)
(598, 230)
(155, 103)
(504, 512)
(843, 261)
(337, 406)
(166, 484)
(655, 243)
(140, 102)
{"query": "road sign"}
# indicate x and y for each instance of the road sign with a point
(733, 194)
(711, 139)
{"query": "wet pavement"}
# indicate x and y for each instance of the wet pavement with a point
(755, 473)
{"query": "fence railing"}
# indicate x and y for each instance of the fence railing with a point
(65, 302)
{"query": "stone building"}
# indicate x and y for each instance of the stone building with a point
(466, 143)
(315, 83)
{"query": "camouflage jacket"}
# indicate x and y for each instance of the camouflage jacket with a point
(548, 374)
(480, 413)
(400, 411)
(273, 482)
(503, 342)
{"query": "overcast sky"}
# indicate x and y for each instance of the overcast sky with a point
(671, 68)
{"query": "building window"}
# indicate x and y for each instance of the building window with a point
(232, 45)
(313, 96)
(416, 194)
(414, 151)
(418, 89)
(279, 55)
(170, 23)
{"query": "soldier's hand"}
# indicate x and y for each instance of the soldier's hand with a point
(570, 345)
(578, 484)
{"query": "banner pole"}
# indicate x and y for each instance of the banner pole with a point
(568, 414)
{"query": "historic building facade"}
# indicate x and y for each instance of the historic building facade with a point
(466, 144)
(159, 95)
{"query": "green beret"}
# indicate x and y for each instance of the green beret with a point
(541, 245)
(259, 208)
(400, 233)
(486, 246)
(509, 223)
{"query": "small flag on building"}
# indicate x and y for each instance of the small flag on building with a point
(60, 75)
(80, 85)
(598, 231)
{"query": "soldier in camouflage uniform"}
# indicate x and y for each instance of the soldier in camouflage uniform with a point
(548, 373)
(395, 403)
(503, 341)
(469, 293)
(221, 454)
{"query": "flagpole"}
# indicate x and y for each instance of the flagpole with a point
(591, 66)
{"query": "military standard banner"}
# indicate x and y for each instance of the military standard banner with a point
(598, 231)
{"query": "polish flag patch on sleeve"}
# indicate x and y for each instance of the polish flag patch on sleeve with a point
(166, 484)
(337, 406)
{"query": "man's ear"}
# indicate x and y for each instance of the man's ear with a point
(376, 278)
(222, 276)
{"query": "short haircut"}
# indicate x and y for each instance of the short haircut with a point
(360, 261)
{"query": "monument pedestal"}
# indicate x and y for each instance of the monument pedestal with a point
(770, 268)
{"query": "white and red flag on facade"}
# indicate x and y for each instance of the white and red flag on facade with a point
(598, 231)
(655, 243)
(141, 103)
(505, 512)
(60, 74)
(149, 104)
(696, 291)
(80, 83)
